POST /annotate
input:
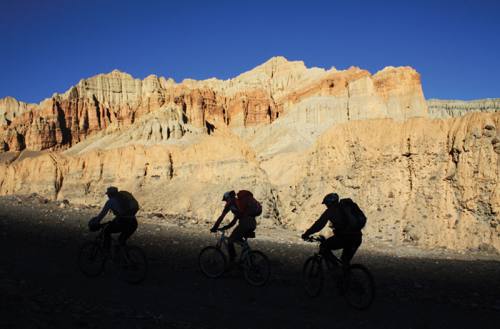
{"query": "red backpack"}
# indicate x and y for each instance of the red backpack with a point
(247, 204)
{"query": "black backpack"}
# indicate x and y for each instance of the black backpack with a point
(356, 219)
(129, 203)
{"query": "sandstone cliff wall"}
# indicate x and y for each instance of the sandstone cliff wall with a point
(185, 180)
(432, 183)
(429, 182)
(254, 98)
(10, 108)
(289, 133)
(441, 108)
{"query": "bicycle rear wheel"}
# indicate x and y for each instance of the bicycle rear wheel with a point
(359, 287)
(256, 268)
(212, 262)
(313, 276)
(91, 259)
(134, 265)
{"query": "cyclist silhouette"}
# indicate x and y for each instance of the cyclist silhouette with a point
(345, 238)
(246, 222)
(124, 222)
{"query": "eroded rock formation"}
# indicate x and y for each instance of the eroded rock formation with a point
(431, 182)
(253, 98)
(289, 133)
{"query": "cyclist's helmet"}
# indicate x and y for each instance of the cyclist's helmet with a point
(112, 190)
(330, 199)
(228, 196)
(94, 225)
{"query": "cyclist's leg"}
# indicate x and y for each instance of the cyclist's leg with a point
(128, 227)
(236, 236)
(112, 227)
(352, 243)
(332, 243)
(252, 224)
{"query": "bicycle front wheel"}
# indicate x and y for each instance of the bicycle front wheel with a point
(313, 276)
(134, 265)
(212, 262)
(256, 268)
(91, 259)
(359, 287)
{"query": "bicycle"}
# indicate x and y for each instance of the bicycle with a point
(213, 262)
(130, 260)
(355, 281)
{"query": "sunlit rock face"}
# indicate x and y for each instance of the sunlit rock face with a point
(289, 133)
(257, 97)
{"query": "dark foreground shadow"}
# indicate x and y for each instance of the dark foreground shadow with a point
(42, 287)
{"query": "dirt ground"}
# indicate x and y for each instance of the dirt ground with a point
(41, 286)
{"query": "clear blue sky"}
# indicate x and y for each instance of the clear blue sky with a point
(47, 46)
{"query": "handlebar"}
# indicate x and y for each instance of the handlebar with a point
(319, 238)
(95, 227)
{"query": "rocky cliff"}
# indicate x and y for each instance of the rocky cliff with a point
(441, 108)
(253, 98)
(430, 182)
(287, 132)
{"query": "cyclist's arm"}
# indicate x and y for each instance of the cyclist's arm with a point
(104, 211)
(221, 217)
(233, 222)
(318, 225)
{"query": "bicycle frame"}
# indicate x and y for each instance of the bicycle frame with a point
(100, 235)
(332, 260)
(341, 272)
(245, 247)
(100, 240)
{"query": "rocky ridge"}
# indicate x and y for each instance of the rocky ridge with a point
(253, 98)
